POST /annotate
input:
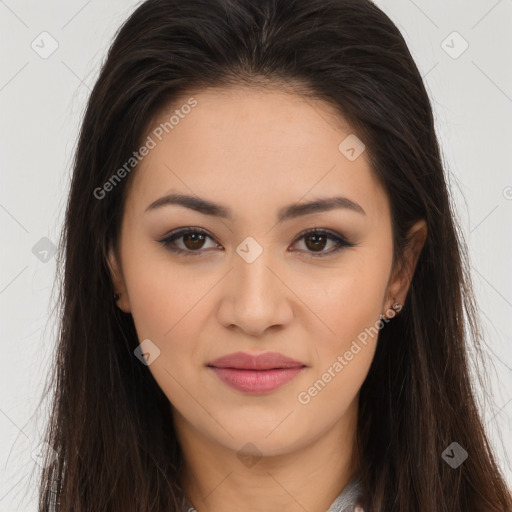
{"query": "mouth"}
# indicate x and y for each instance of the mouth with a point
(256, 374)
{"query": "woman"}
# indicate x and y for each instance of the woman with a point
(264, 288)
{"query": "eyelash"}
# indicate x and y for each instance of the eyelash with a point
(342, 243)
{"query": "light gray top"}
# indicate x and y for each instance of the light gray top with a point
(347, 500)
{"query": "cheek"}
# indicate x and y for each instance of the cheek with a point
(162, 294)
(152, 308)
(351, 306)
(169, 307)
(166, 312)
(352, 298)
(351, 309)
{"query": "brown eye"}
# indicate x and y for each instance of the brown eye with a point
(192, 241)
(318, 242)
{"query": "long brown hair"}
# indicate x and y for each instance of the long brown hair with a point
(110, 423)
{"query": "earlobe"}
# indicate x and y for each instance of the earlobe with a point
(120, 295)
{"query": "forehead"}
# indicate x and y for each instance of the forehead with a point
(252, 145)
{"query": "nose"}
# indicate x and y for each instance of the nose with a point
(255, 296)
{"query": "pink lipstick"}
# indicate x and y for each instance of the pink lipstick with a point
(255, 374)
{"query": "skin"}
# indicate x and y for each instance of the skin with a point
(255, 152)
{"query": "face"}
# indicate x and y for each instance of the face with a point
(252, 279)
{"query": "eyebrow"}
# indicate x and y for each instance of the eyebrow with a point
(286, 213)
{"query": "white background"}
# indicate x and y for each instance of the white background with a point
(42, 101)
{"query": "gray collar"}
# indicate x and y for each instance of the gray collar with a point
(347, 500)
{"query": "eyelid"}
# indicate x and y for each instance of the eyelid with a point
(338, 238)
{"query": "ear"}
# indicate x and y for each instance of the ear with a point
(118, 282)
(402, 276)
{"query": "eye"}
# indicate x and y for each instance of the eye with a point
(193, 241)
(316, 240)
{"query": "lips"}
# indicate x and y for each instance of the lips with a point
(265, 361)
(256, 374)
